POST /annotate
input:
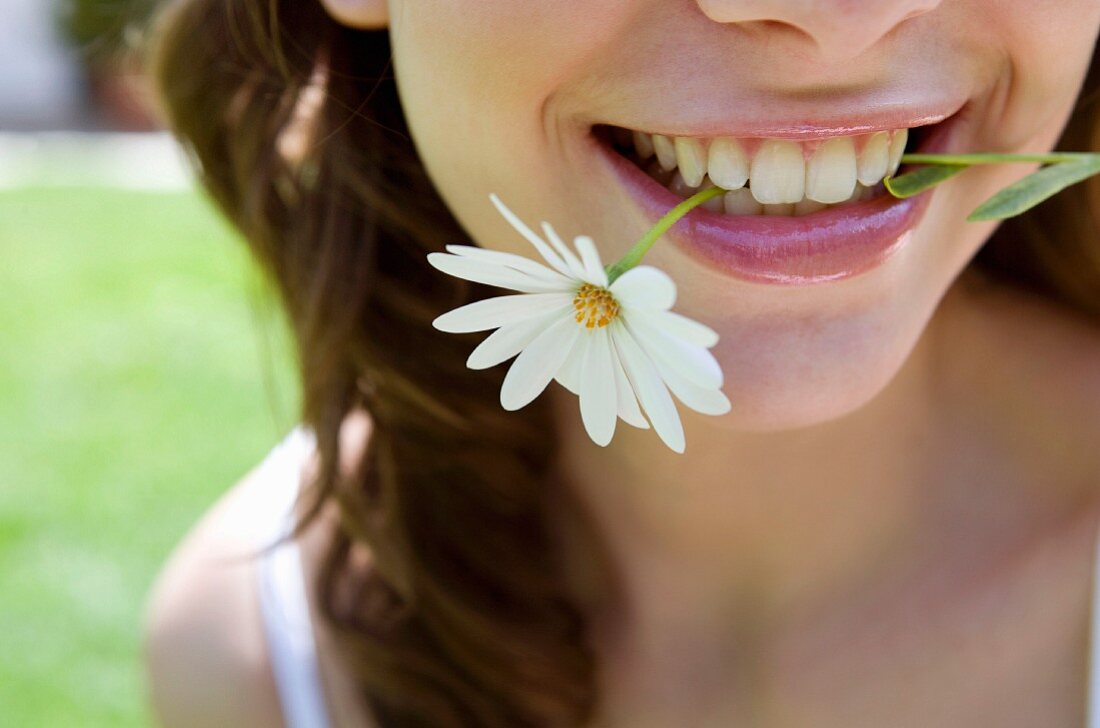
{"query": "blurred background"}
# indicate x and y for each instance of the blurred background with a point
(143, 365)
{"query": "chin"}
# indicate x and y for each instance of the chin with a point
(784, 374)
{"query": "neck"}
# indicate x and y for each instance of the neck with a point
(768, 522)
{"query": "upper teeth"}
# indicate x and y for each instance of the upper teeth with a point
(779, 171)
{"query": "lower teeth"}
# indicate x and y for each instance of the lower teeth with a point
(741, 201)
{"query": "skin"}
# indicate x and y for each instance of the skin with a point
(911, 451)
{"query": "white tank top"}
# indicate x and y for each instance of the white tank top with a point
(285, 609)
(284, 606)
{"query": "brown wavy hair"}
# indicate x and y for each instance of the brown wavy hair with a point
(461, 617)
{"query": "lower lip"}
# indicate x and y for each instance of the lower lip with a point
(827, 245)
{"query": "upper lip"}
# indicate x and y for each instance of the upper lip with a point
(822, 124)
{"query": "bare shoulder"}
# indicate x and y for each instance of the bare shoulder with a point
(205, 653)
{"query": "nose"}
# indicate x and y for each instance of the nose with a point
(842, 29)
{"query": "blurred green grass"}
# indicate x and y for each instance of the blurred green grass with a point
(142, 371)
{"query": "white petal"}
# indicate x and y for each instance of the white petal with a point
(645, 287)
(684, 328)
(510, 260)
(651, 391)
(576, 359)
(538, 363)
(571, 260)
(569, 376)
(627, 403)
(500, 311)
(511, 339)
(595, 274)
(491, 274)
(535, 240)
(694, 362)
(598, 395)
(701, 399)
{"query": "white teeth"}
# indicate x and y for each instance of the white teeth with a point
(778, 172)
(897, 148)
(875, 159)
(691, 156)
(741, 202)
(831, 172)
(778, 179)
(727, 163)
(774, 169)
(666, 152)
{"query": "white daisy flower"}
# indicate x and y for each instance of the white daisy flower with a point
(615, 344)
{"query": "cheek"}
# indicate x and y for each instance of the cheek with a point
(477, 73)
(507, 43)
(1047, 49)
(480, 82)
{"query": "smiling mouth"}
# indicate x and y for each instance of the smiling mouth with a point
(795, 211)
(775, 177)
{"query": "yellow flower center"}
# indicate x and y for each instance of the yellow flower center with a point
(594, 306)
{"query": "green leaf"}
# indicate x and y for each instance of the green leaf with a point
(1035, 188)
(919, 180)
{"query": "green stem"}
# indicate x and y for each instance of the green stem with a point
(635, 254)
(965, 160)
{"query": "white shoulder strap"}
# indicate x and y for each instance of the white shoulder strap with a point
(284, 606)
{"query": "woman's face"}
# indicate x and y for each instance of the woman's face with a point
(816, 311)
